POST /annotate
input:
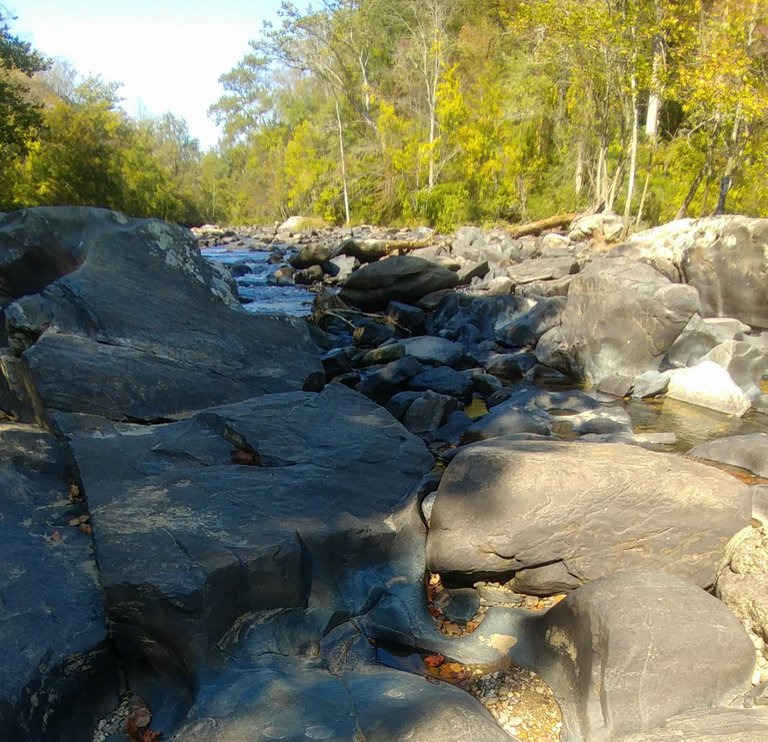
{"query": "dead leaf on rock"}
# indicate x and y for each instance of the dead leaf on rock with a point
(55, 536)
(434, 660)
(86, 529)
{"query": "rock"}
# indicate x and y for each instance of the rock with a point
(126, 341)
(510, 367)
(472, 243)
(605, 421)
(468, 320)
(708, 385)
(371, 334)
(620, 318)
(296, 698)
(383, 354)
(308, 276)
(709, 725)
(341, 267)
(444, 380)
(201, 522)
(460, 604)
(760, 503)
(506, 420)
(470, 270)
(650, 384)
(699, 337)
(597, 508)
(744, 361)
(607, 225)
(282, 276)
(382, 382)
(406, 317)
(542, 269)
(338, 361)
(312, 255)
(59, 671)
(434, 351)
(637, 647)
(742, 584)
(529, 327)
(724, 257)
(401, 278)
(748, 452)
(292, 224)
(484, 383)
(427, 412)
(616, 385)
(538, 289)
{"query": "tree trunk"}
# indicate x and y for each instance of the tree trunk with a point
(553, 222)
(632, 160)
(342, 159)
(683, 210)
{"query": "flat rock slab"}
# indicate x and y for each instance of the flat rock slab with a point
(294, 699)
(141, 327)
(711, 725)
(57, 669)
(707, 384)
(240, 509)
(748, 452)
(594, 508)
(640, 646)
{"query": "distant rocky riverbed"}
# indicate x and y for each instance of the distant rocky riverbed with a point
(430, 497)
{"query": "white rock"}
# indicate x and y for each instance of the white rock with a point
(708, 385)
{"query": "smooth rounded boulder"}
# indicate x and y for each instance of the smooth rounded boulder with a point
(505, 507)
(401, 278)
(634, 648)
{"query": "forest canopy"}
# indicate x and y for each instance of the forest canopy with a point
(424, 111)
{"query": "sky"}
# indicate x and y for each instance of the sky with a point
(168, 54)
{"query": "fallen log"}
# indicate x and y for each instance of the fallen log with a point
(535, 228)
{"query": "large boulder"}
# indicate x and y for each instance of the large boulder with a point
(261, 505)
(724, 257)
(140, 327)
(637, 647)
(620, 318)
(708, 384)
(557, 515)
(709, 725)
(401, 278)
(742, 584)
(58, 670)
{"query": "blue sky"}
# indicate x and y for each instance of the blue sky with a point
(168, 54)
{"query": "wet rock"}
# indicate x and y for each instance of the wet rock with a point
(503, 506)
(308, 276)
(460, 604)
(637, 647)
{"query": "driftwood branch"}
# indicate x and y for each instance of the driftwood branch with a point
(535, 228)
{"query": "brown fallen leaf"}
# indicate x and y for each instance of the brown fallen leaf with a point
(74, 521)
(55, 536)
(86, 529)
(245, 457)
(434, 660)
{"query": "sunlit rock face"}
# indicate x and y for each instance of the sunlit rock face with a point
(724, 257)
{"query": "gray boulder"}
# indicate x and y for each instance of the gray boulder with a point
(58, 671)
(401, 278)
(597, 508)
(508, 420)
(709, 725)
(542, 269)
(434, 350)
(742, 584)
(530, 326)
(620, 318)
(724, 257)
(637, 647)
(268, 504)
(748, 452)
(142, 327)
(699, 337)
